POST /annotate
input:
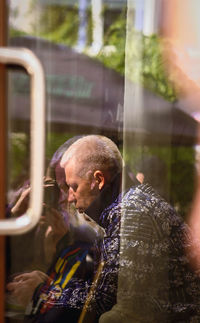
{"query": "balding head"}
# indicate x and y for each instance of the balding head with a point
(94, 152)
(90, 163)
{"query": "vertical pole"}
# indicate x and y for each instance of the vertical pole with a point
(3, 19)
(97, 25)
(82, 32)
(139, 13)
(151, 17)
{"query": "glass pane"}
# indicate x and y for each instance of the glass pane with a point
(113, 243)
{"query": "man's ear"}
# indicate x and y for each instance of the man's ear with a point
(99, 179)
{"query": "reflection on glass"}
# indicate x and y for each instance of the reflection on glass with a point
(110, 70)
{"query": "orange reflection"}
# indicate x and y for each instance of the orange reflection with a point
(180, 25)
(182, 29)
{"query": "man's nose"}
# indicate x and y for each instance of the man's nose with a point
(71, 197)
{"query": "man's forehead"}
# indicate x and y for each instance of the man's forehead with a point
(71, 169)
(71, 165)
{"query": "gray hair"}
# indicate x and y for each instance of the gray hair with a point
(94, 152)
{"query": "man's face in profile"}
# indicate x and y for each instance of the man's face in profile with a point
(82, 191)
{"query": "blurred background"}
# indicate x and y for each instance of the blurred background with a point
(125, 69)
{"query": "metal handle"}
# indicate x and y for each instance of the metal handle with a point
(30, 62)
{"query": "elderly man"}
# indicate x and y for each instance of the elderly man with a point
(155, 282)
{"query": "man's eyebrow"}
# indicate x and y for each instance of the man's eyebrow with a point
(66, 185)
(71, 184)
(74, 185)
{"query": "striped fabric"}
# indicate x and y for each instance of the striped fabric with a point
(60, 273)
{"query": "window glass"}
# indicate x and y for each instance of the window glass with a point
(117, 248)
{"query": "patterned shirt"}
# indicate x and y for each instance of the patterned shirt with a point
(155, 282)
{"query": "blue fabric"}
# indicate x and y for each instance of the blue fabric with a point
(156, 283)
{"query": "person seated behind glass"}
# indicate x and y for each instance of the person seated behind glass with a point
(152, 239)
(150, 244)
(67, 238)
